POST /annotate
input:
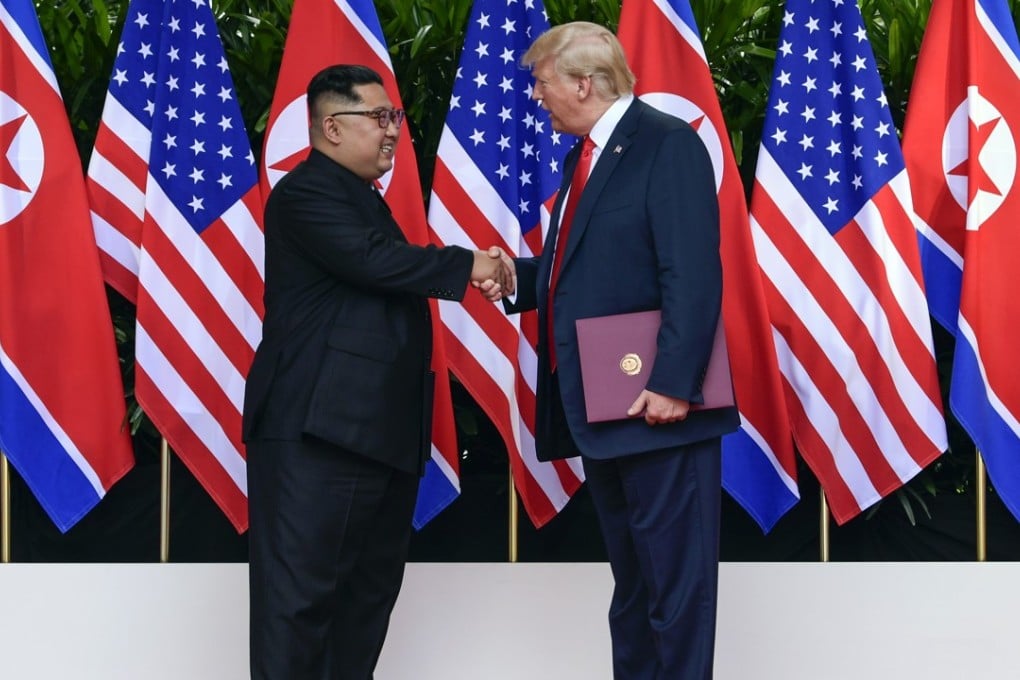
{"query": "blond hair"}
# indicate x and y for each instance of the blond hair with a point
(582, 49)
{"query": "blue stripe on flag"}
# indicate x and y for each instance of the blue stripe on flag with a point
(943, 279)
(365, 9)
(750, 478)
(992, 435)
(998, 12)
(435, 492)
(23, 13)
(686, 14)
(58, 483)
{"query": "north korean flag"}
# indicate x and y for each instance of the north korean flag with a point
(664, 49)
(960, 145)
(62, 421)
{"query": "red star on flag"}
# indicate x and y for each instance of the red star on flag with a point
(8, 173)
(978, 179)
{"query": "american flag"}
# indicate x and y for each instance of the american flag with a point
(497, 172)
(61, 397)
(832, 219)
(175, 207)
(664, 48)
(961, 149)
(323, 33)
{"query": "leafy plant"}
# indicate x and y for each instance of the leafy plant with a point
(81, 36)
(253, 34)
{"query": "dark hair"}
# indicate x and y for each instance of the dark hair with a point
(338, 82)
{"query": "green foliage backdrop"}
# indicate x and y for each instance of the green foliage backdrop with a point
(425, 37)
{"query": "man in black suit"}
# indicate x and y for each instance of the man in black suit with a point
(641, 233)
(338, 402)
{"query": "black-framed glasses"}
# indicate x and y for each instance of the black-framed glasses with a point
(383, 116)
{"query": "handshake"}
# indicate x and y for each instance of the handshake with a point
(493, 273)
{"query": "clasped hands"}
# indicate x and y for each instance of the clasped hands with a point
(494, 274)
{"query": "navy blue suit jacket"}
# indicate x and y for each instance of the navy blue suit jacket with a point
(645, 236)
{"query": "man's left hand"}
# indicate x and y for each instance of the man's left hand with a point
(658, 408)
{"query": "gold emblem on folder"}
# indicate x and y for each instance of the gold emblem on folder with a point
(630, 364)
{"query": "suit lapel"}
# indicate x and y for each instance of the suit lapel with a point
(609, 159)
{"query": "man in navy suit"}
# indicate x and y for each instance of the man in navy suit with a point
(642, 234)
(338, 402)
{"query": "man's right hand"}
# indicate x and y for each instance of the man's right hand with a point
(493, 273)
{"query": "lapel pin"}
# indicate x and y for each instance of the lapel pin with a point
(618, 149)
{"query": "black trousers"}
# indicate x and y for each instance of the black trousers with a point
(328, 540)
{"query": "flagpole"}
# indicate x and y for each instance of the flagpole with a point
(982, 508)
(514, 515)
(5, 510)
(823, 522)
(164, 501)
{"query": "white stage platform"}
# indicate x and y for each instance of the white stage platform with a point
(524, 622)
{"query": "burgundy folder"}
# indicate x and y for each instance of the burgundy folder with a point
(617, 354)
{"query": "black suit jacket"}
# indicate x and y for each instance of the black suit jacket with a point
(645, 236)
(347, 336)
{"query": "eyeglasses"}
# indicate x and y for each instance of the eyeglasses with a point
(383, 116)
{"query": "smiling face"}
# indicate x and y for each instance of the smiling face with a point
(361, 145)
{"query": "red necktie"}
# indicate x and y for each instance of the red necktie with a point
(577, 183)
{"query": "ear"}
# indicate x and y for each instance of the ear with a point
(330, 129)
(583, 87)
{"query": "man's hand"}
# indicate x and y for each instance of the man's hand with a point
(658, 408)
(494, 273)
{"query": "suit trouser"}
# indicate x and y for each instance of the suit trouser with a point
(659, 514)
(328, 542)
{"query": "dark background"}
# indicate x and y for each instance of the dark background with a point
(933, 519)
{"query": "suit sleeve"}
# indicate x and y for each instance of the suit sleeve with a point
(684, 214)
(332, 231)
(527, 290)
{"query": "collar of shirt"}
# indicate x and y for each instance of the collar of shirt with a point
(604, 126)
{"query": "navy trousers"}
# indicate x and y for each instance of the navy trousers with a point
(659, 514)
